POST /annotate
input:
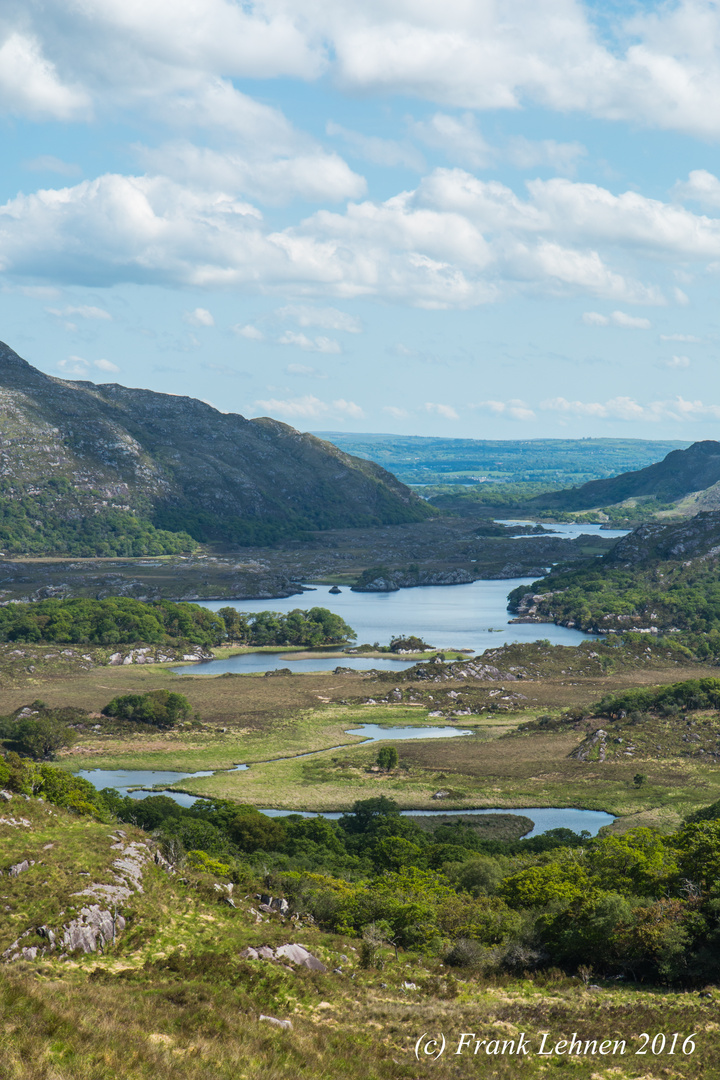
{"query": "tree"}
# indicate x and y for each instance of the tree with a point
(388, 758)
(160, 708)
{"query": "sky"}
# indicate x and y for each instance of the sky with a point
(475, 219)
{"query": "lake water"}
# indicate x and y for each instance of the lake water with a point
(570, 530)
(473, 616)
(544, 818)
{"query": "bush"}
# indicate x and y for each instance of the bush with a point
(159, 708)
(388, 757)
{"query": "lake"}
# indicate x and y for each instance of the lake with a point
(570, 530)
(473, 616)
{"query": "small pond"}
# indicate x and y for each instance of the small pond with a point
(376, 733)
(123, 779)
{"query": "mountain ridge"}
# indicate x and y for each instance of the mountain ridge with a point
(80, 450)
(680, 474)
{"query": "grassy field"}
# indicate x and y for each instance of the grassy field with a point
(174, 998)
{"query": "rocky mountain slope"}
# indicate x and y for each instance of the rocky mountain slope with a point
(680, 474)
(74, 451)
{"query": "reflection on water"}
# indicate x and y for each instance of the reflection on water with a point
(567, 529)
(473, 617)
(544, 818)
(376, 733)
(124, 779)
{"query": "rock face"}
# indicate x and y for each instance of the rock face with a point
(179, 462)
(593, 748)
(688, 539)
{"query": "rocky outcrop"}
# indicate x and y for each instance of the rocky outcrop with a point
(391, 581)
(158, 654)
(592, 748)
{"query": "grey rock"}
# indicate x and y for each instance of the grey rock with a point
(298, 954)
(20, 868)
(285, 1024)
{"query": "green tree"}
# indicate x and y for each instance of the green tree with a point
(388, 757)
(160, 708)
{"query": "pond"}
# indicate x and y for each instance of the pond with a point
(473, 616)
(124, 779)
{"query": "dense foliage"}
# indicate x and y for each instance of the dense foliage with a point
(316, 626)
(115, 621)
(677, 596)
(159, 708)
(642, 905)
(54, 785)
(121, 620)
(56, 521)
(670, 699)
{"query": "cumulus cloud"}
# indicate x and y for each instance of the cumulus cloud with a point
(616, 318)
(458, 137)
(455, 241)
(252, 333)
(77, 365)
(514, 409)
(659, 68)
(30, 84)
(199, 317)
(625, 408)
(313, 175)
(310, 407)
(50, 163)
(388, 152)
(677, 362)
(318, 344)
(395, 411)
(329, 318)
(446, 411)
(85, 311)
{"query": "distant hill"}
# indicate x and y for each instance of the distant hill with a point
(88, 469)
(678, 475)
(418, 459)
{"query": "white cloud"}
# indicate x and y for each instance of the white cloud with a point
(396, 412)
(454, 242)
(50, 163)
(30, 86)
(305, 371)
(659, 68)
(616, 318)
(687, 338)
(458, 137)
(388, 152)
(199, 317)
(514, 409)
(313, 174)
(677, 362)
(310, 407)
(77, 365)
(625, 408)
(700, 187)
(528, 153)
(446, 411)
(85, 311)
(318, 344)
(252, 333)
(329, 318)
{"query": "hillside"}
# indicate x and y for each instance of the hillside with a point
(659, 577)
(88, 469)
(420, 459)
(678, 475)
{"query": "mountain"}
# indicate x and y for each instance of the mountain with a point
(681, 473)
(87, 469)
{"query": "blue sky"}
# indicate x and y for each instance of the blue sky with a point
(476, 219)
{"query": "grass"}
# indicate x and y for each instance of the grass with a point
(173, 998)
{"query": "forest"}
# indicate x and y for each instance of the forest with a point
(122, 620)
